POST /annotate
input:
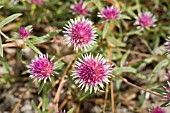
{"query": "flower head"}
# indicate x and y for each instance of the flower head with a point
(145, 19)
(157, 110)
(80, 33)
(109, 13)
(79, 9)
(90, 73)
(41, 68)
(23, 32)
(167, 92)
(167, 44)
(38, 2)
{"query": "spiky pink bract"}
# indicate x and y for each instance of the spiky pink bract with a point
(90, 73)
(157, 110)
(38, 2)
(80, 33)
(23, 32)
(109, 13)
(79, 9)
(41, 68)
(145, 19)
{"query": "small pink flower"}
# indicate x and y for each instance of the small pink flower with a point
(23, 32)
(145, 19)
(167, 44)
(79, 9)
(157, 110)
(109, 13)
(38, 2)
(80, 33)
(90, 73)
(41, 68)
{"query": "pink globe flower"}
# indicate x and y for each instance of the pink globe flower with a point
(167, 44)
(38, 2)
(23, 32)
(157, 110)
(109, 13)
(90, 73)
(80, 33)
(79, 9)
(41, 68)
(145, 19)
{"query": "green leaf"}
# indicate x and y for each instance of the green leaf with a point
(59, 65)
(71, 110)
(41, 85)
(120, 70)
(37, 40)
(1, 48)
(105, 30)
(84, 96)
(134, 32)
(159, 91)
(116, 42)
(35, 107)
(142, 98)
(165, 104)
(12, 39)
(160, 65)
(124, 57)
(125, 17)
(9, 19)
(45, 101)
(33, 47)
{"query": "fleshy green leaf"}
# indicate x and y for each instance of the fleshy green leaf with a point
(124, 57)
(37, 40)
(35, 107)
(120, 70)
(165, 104)
(9, 19)
(59, 65)
(41, 85)
(71, 110)
(33, 47)
(105, 30)
(160, 65)
(116, 42)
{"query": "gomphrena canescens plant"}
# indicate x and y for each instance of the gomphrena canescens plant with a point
(109, 13)
(145, 19)
(90, 73)
(157, 110)
(79, 9)
(23, 32)
(41, 68)
(38, 2)
(80, 33)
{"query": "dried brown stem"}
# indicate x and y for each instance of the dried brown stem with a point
(57, 95)
(4, 35)
(111, 81)
(138, 87)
